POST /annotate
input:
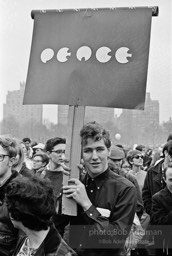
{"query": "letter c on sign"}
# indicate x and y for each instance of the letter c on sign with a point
(102, 54)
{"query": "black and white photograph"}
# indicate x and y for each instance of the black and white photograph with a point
(86, 128)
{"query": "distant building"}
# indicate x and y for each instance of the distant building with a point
(100, 115)
(140, 126)
(22, 113)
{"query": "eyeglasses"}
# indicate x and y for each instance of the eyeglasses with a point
(138, 156)
(59, 151)
(36, 161)
(2, 157)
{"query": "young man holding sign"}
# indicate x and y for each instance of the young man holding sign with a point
(106, 201)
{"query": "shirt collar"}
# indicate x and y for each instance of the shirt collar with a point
(99, 180)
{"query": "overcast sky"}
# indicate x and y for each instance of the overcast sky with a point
(16, 26)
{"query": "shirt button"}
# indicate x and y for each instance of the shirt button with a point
(80, 245)
(91, 214)
(98, 187)
(91, 191)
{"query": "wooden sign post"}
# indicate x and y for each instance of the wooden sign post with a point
(73, 152)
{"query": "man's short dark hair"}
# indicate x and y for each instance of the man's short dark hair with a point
(44, 156)
(9, 145)
(51, 143)
(27, 140)
(96, 132)
(31, 200)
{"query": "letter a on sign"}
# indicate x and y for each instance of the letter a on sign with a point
(89, 57)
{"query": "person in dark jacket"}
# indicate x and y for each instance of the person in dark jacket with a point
(154, 181)
(106, 201)
(31, 204)
(8, 234)
(162, 214)
(115, 162)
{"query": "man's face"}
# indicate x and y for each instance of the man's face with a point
(168, 179)
(37, 163)
(57, 155)
(115, 164)
(5, 163)
(27, 144)
(95, 156)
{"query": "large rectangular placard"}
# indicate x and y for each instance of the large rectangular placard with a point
(89, 57)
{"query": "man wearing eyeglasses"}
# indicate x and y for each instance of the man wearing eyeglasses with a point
(8, 234)
(55, 148)
(40, 160)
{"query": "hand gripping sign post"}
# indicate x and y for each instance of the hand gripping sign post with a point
(88, 57)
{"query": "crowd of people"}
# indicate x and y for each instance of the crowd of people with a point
(123, 197)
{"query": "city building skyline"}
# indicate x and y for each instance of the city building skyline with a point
(134, 126)
(142, 126)
(14, 108)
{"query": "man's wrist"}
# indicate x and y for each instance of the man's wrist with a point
(86, 206)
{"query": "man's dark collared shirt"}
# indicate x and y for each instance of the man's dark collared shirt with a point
(113, 207)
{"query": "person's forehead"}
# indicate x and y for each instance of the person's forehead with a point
(94, 144)
(2, 150)
(59, 146)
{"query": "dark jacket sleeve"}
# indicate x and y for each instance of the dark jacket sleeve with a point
(160, 215)
(139, 208)
(146, 193)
